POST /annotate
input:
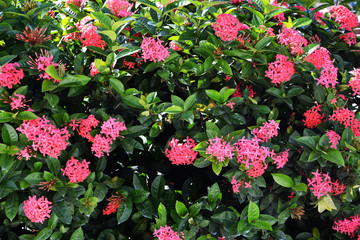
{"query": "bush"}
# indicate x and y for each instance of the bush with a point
(179, 119)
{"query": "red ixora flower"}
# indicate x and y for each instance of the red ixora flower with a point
(76, 171)
(227, 27)
(355, 81)
(10, 76)
(120, 8)
(321, 185)
(114, 202)
(153, 50)
(37, 210)
(166, 233)
(344, 116)
(267, 131)
(333, 138)
(36, 36)
(320, 57)
(293, 40)
(344, 17)
(181, 153)
(313, 116)
(220, 149)
(111, 128)
(281, 70)
(79, 3)
(348, 225)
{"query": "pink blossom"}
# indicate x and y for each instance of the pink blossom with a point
(101, 145)
(36, 36)
(320, 184)
(17, 102)
(293, 40)
(280, 159)
(41, 62)
(111, 128)
(219, 149)
(230, 104)
(10, 76)
(114, 203)
(333, 138)
(181, 153)
(166, 233)
(348, 225)
(281, 70)
(355, 127)
(355, 81)
(37, 210)
(267, 131)
(248, 184)
(279, 17)
(86, 125)
(235, 185)
(76, 171)
(89, 37)
(344, 116)
(45, 137)
(349, 38)
(79, 3)
(27, 153)
(344, 17)
(313, 116)
(93, 69)
(328, 76)
(120, 8)
(174, 46)
(153, 50)
(320, 57)
(227, 27)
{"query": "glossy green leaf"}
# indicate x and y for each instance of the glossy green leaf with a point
(253, 212)
(283, 180)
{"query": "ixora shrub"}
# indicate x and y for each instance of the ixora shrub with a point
(179, 120)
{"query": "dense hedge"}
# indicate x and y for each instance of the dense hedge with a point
(179, 119)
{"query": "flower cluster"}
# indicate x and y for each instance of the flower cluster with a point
(10, 76)
(166, 233)
(17, 102)
(41, 62)
(313, 116)
(36, 36)
(321, 185)
(281, 70)
(348, 225)
(333, 138)
(90, 38)
(279, 17)
(227, 27)
(120, 8)
(153, 50)
(114, 202)
(85, 126)
(79, 3)
(280, 159)
(344, 116)
(45, 137)
(355, 81)
(236, 185)
(181, 153)
(293, 40)
(320, 57)
(37, 210)
(111, 128)
(253, 156)
(219, 149)
(100, 145)
(76, 171)
(174, 46)
(267, 131)
(328, 76)
(93, 69)
(355, 127)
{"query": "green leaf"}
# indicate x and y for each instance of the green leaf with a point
(262, 224)
(189, 102)
(195, 209)
(264, 42)
(151, 5)
(253, 212)
(214, 193)
(6, 59)
(51, 70)
(56, 236)
(132, 101)
(35, 178)
(139, 195)
(217, 167)
(124, 211)
(177, 101)
(334, 156)
(302, 22)
(319, 93)
(145, 208)
(53, 165)
(48, 85)
(74, 81)
(104, 19)
(257, 13)
(128, 52)
(44, 234)
(212, 130)
(260, 108)
(9, 134)
(5, 117)
(283, 180)
(26, 115)
(224, 67)
(52, 99)
(181, 209)
(62, 211)
(174, 110)
(12, 205)
(162, 213)
(201, 162)
(306, 141)
(158, 186)
(295, 92)
(117, 85)
(146, 24)
(110, 34)
(274, 91)
(213, 94)
(77, 235)
(276, 12)
(100, 191)
(301, 187)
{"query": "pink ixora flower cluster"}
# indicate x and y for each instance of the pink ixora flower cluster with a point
(219, 149)
(320, 57)
(45, 137)
(153, 50)
(313, 116)
(349, 226)
(16, 102)
(181, 153)
(347, 20)
(355, 81)
(227, 27)
(37, 210)
(166, 233)
(120, 8)
(281, 16)
(236, 185)
(344, 116)
(293, 40)
(267, 131)
(93, 69)
(79, 3)
(10, 76)
(41, 62)
(281, 70)
(281, 158)
(334, 138)
(76, 171)
(253, 156)
(114, 203)
(36, 36)
(321, 185)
